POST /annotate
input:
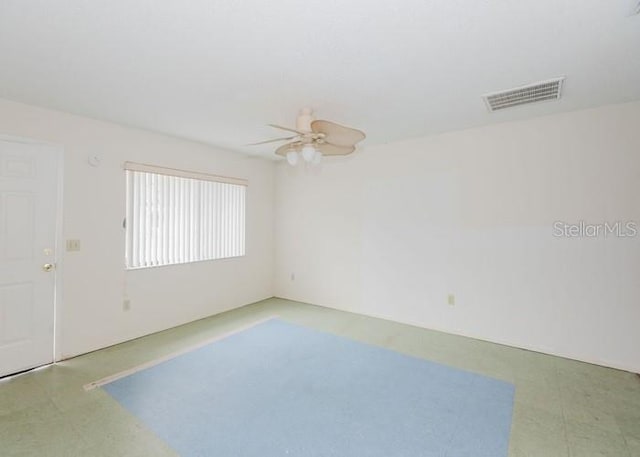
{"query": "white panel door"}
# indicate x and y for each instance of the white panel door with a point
(28, 205)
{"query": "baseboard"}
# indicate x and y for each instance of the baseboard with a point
(540, 350)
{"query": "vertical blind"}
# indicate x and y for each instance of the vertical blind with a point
(176, 217)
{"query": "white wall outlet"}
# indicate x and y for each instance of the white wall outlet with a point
(451, 300)
(293, 276)
(126, 304)
(94, 160)
(73, 245)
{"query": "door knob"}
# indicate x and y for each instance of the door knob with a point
(48, 267)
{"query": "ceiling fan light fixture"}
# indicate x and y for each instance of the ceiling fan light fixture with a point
(308, 152)
(292, 158)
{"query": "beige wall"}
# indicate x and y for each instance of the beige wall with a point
(94, 281)
(389, 231)
(393, 229)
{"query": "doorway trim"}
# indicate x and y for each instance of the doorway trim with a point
(59, 247)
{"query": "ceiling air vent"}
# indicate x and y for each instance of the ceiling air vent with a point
(523, 95)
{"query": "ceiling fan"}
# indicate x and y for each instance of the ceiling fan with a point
(315, 138)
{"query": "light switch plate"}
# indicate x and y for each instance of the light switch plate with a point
(73, 245)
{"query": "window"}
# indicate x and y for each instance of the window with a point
(175, 216)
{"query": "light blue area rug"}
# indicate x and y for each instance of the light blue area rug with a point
(279, 389)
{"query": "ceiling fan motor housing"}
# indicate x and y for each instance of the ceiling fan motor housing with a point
(303, 122)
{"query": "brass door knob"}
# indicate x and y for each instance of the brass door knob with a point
(48, 267)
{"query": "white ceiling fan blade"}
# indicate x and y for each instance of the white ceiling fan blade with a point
(334, 150)
(282, 150)
(272, 141)
(337, 134)
(286, 128)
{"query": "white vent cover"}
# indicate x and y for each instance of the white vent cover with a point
(531, 93)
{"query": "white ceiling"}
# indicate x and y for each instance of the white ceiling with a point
(218, 71)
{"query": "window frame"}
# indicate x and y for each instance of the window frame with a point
(188, 212)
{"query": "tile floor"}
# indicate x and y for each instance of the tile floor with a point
(562, 408)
